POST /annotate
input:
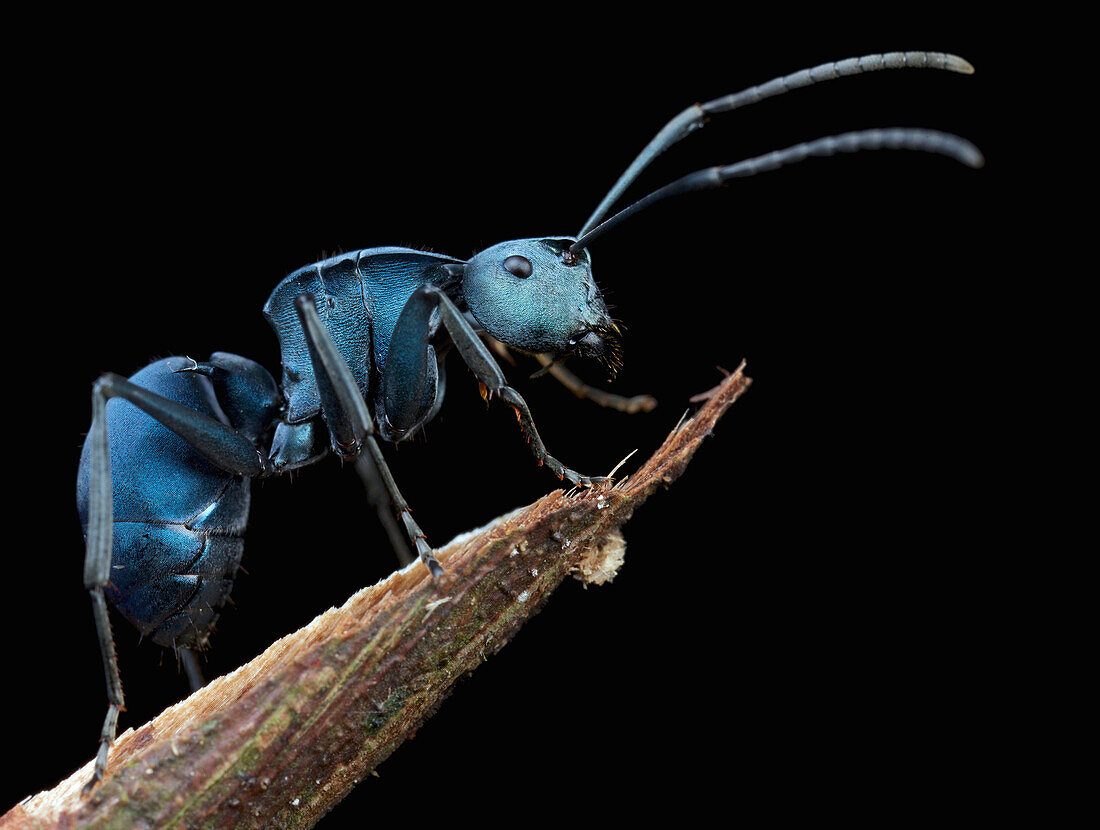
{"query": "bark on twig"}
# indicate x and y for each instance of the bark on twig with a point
(283, 738)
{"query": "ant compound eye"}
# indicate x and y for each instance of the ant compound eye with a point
(518, 266)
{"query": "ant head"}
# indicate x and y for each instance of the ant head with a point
(539, 296)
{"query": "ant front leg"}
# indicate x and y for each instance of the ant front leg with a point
(349, 421)
(406, 372)
(600, 397)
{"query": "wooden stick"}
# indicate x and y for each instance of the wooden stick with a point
(283, 738)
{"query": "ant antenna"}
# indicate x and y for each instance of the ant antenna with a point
(697, 115)
(895, 138)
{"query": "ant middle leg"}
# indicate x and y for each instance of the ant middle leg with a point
(375, 486)
(349, 421)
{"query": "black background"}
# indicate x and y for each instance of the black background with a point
(795, 629)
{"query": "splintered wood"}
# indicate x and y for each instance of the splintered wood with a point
(283, 738)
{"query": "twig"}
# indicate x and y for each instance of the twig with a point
(282, 739)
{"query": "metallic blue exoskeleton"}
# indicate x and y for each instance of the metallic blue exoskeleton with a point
(163, 486)
(179, 520)
(362, 295)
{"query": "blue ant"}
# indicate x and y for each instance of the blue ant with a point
(163, 486)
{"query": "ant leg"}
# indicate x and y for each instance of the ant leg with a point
(349, 420)
(97, 573)
(219, 443)
(406, 366)
(191, 666)
(600, 397)
(216, 441)
(380, 500)
(498, 348)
